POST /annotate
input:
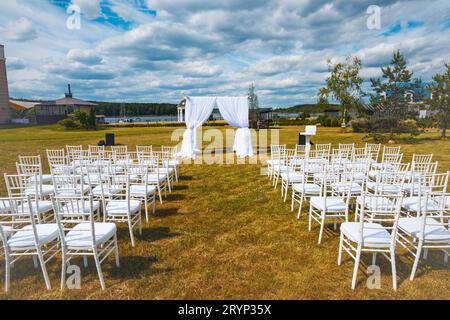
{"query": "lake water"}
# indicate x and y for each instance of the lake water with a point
(144, 119)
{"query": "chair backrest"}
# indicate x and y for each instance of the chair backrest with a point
(325, 149)
(374, 150)
(345, 147)
(119, 150)
(66, 207)
(138, 174)
(68, 185)
(390, 182)
(56, 157)
(74, 152)
(277, 148)
(145, 150)
(434, 213)
(72, 209)
(390, 150)
(18, 214)
(96, 152)
(172, 151)
(379, 212)
(422, 158)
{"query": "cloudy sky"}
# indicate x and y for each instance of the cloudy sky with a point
(162, 50)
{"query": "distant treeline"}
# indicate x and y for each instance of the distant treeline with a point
(117, 109)
(309, 108)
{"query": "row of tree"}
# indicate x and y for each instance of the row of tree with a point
(116, 109)
(390, 94)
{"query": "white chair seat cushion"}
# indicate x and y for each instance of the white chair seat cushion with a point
(108, 191)
(413, 227)
(153, 177)
(342, 187)
(414, 188)
(69, 191)
(374, 234)
(84, 208)
(292, 176)
(333, 204)
(25, 237)
(81, 236)
(166, 170)
(46, 190)
(412, 204)
(139, 190)
(275, 162)
(120, 207)
(44, 206)
(172, 163)
(375, 203)
(384, 188)
(280, 168)
(308, 188)
(45, 178)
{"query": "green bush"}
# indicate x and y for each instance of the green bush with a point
(360, 125)
(69, 124)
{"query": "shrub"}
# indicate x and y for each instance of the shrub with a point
(360, 125)
(69, 124)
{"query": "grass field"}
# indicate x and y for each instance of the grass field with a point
(224, 233)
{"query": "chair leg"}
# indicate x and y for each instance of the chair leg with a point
(374, 258)
(85, 261)
(446, 255)
(293, 200)
(116, 251)
(159, 193)
(425, 254)
(416, 261)
(99, 270)
(355, 269)
(7, 272)
(286, 191)
(130, 228)
(341, 243)
(63, 271)
(146, 209)
(300, 207)
(394, 271)
(310, 218)
(154, 204)
(322, 225)
(35, 262)
(44, 269)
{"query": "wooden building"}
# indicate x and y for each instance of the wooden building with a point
(54, 111)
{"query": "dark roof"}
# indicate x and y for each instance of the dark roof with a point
(68, 102)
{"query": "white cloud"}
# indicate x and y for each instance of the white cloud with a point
(90, 8)
(21, 30)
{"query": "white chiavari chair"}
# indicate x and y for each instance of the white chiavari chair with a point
(22, 236)
(326, 206)
(276, 158)
(33, 172)
(140, 189)
(305, 188)
(430, 230)
(374, 233)
(124, 209)
(36, 161)
(19, 187)
(85, 238)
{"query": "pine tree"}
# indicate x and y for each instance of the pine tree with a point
(439, 100)
(391, 92)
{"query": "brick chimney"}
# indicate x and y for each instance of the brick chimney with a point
(5, 111)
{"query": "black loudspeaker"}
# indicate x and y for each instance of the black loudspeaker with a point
(110, 139)
(301, 140)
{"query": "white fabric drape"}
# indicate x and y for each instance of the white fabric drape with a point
(234, 110)
(198, 110)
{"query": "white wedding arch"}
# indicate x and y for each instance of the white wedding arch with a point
(234, 110)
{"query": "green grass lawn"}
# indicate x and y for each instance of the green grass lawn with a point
(223, 233)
